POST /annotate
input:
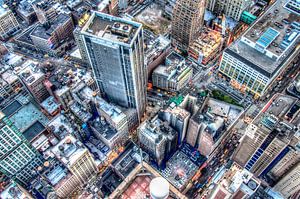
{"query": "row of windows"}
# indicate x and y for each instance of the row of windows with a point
(253, 82)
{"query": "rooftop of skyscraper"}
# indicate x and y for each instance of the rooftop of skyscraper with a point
(156, 130)
(137, 184)
(110, 28)
(233, 181)
(280, 116)
(180, 169)
(129, 159)
(283, 107)
(267, 43)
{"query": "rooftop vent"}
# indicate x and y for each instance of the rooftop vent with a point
(117, 25)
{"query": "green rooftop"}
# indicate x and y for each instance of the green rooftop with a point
(177, 100)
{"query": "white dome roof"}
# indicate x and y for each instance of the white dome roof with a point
(159, 188)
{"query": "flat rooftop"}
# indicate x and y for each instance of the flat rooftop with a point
(153, 17)
(180, 169)
(173, 71)
(111, 28)
(56, 173)
(24, 115)
(80, 111)
(110, 110)
(64, 77)
(129, 159)
(106, 130)
(45, 33)
(284, 107)
(207, 42)
(11, 108)
(3, 10)
(35, 129)
(139, 188)
(156, 47)
(156, 130)
(68, 150)
(9, 77)
(136, 184)
(30, 72)
(269, 40)
(50, 105)
(60, 126)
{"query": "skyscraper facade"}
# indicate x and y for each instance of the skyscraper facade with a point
(188, 16)
(230, 8)
(158, 139)
(290, 183)
(269, 147)
(114, 48)
(17, 157)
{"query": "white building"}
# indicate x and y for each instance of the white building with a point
(8, 23)
(115, 50)
(254, 61)
(76, 158)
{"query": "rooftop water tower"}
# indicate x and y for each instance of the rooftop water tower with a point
(159, 188)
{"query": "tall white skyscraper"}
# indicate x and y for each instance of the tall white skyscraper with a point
(114, 48)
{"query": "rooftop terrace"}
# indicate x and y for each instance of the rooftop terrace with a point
(136, 184)
(111, 28)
